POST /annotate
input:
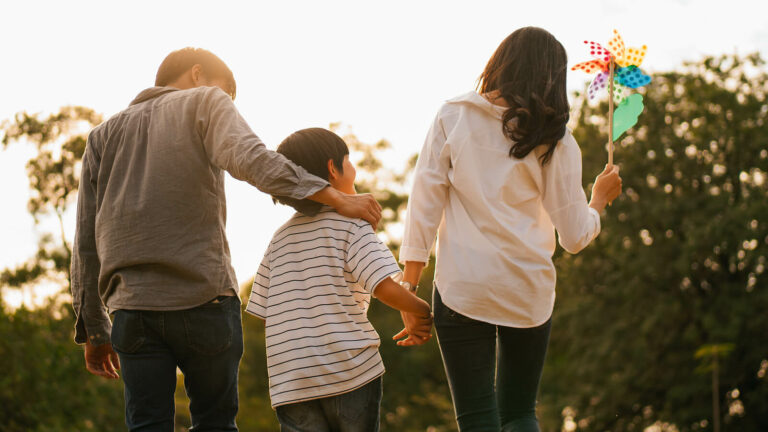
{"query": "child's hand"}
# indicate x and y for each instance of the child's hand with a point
(418, 328)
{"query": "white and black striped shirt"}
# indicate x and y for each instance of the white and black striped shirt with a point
(313, 289)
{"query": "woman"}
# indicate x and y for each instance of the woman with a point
(498, 174)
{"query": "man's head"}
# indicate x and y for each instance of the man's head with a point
(322, 153)
(195, 67)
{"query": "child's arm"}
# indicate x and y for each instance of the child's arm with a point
(371, 264)
(395, 296)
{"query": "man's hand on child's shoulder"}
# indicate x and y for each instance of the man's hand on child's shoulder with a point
(363, 206)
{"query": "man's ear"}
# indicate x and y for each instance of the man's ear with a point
(196, 74)
(333, 173)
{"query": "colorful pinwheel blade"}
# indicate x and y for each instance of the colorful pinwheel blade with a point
(619, 93)
(598, 52)
(599, 83)
(626, 114)
(591, 66)
(616, 46)
(633, 56)
(632, 77)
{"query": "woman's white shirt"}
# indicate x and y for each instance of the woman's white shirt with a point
(495, 216)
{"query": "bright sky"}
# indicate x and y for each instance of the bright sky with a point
(382, 68)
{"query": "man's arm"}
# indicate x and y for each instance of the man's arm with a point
(232, 146)
(92, 325)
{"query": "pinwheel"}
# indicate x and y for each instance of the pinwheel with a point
(618, 68)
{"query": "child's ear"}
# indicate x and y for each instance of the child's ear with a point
(333, 173)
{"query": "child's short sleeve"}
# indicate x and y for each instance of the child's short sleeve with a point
(368, 259)
(257, 303)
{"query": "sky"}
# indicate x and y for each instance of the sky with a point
(381, 68)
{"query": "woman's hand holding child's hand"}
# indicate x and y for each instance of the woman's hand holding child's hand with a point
(418, 328)
(414, 311)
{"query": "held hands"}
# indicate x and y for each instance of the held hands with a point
(101, 360)
(413, 310)
(606, 188)
(418, 328)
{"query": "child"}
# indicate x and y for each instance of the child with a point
(313, 289)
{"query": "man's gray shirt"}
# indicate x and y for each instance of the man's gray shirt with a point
(151, 209)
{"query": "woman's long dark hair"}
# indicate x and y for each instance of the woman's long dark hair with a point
(528, 70)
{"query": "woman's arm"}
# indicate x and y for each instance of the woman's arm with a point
(412, 272)
(563, 197)
(428, 196)
(412, 275)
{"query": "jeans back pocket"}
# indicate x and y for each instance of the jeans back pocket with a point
(127, 331)
(209, 328)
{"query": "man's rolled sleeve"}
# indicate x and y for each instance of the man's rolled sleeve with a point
(92, 321)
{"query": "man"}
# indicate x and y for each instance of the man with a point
(151, 247)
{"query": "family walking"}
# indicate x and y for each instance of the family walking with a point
(498, 174)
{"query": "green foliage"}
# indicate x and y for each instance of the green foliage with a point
(44, 386)
(680, 263)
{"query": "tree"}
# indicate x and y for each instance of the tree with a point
(59, 140)
(44, 385)
(680, 263)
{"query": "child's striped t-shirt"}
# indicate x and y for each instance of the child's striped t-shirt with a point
(313, 289)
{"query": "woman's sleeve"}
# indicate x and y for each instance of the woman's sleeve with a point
(564, 199)
(428, 196)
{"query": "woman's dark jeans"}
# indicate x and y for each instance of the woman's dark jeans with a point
(493, 371)
(205, 342)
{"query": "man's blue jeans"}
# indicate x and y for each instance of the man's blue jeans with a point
(493, 371)
(205, 342)
(355, 411)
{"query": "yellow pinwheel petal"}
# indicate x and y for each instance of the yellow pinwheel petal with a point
(633, 57)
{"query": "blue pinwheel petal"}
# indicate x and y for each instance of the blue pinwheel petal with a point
(632, 77)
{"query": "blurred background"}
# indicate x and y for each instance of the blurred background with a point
(660, 325)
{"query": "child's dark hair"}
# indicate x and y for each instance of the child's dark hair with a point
(311, 149)
(180, 61)
(529, 70)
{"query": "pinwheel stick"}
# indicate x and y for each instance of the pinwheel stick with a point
(610, 114)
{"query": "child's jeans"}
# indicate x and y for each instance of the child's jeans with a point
(493, 371)
(355, 411)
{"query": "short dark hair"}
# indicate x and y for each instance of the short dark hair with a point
(528, 70)
(311, 149)
(180, 61)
